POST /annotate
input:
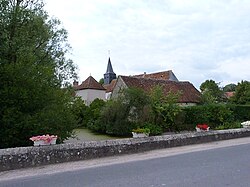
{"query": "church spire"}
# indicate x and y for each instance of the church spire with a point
(109, 67)
(109, 75)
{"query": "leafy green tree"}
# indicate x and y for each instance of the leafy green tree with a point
(123, 114)
(242, 93)
(94, 113)
(33, 69)
(165, 107)
(81, 112)
(211, 93)
(101, 81)
(229, 88)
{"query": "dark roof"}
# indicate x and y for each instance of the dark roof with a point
(89, 83)
(109, 67)
(164, 75)
(189, 94)
(110, 87)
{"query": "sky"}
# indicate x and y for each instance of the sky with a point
(197, 39)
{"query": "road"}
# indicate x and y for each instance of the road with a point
(225, 163)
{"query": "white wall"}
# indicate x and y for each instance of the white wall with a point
(89, 95)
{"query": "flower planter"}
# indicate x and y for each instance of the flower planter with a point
(139, 135)
(201, 130)
(45, 142)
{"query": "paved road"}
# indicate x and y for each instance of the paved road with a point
(223, 166)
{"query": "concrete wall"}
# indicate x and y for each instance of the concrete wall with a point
(15, 158)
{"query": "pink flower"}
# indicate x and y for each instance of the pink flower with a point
(47, 138)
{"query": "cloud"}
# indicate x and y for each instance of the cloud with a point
(198, 40)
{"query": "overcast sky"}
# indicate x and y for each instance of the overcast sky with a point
(196, 39)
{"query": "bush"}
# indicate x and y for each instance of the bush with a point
(213, 115)
(81, 112)
(154, 129)
(240, 112)
(233, 125)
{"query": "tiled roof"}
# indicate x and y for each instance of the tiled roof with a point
(164, 75)
(189, 94)
(229, 94)
(89, 83)
(110, 87)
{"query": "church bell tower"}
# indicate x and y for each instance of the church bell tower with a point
(109, 75)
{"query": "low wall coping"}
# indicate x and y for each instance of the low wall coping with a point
(23, 157)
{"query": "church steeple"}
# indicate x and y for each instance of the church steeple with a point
(109, 68)
(109, 75)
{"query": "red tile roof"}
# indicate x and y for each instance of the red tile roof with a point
(110, 87)
(229, 94)
(164, 75)
(89, 83)
(189, 94)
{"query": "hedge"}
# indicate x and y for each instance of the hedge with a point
(213, 114)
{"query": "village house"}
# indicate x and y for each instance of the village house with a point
(90, 89)
(189, 95)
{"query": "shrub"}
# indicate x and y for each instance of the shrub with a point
(232, 125)
(154, 129)
(240, 112)
(213, 114)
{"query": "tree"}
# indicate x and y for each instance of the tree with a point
(33, 69)
(229, 88)
(165, 107)
(242, 93)
(120, 116)
(211, 92)
(101, 81)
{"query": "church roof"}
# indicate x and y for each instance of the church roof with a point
(189, 94)
(164, 75)
(110, 87)
(90, 83)
(109, 67)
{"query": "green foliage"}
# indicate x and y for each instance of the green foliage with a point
(81, 112)
(141, 130)
(154, 128)
(101, 81)
(227, 125)
(211, 92)
(94, 113)
(229, 88)
(115, 119)
(135, 109)
(120, 116)
(165, 107)
(240, 112)
(242, 93)
(33, 69)
(213, 115)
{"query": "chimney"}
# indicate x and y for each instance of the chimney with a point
(75, 83)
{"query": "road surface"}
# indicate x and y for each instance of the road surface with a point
(224, 163)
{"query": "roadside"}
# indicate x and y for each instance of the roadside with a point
(78, 165)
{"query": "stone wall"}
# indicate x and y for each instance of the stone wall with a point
(22, 157)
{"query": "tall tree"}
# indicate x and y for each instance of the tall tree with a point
(211, 93)
(242, 93)
(33, 69)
